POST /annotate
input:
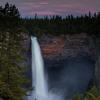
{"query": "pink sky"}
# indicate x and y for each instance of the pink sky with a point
(55, 7)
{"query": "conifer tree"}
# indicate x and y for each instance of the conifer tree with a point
(12, 79)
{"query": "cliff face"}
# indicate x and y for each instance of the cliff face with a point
(56, 49)
(68, 59)
(61, 47)
(97, 63)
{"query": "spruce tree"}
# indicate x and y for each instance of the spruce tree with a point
(12, 78)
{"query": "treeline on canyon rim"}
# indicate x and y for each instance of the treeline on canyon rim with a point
(55, 25)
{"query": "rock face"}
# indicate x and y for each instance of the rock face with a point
(97, 72)
(68, 59)
(97, 64)
(26, 49)
(67, 46)
(26, 53)
(69, 63)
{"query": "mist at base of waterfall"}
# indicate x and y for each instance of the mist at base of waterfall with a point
(51, 96)
(72, 77)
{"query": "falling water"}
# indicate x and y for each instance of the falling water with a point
(70, 84)
(38, 77)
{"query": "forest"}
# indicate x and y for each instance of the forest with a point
(55, 25)
(12, 28)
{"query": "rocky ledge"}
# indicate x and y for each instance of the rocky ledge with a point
(60, 47)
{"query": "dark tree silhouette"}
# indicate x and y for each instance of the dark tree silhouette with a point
(9, 10)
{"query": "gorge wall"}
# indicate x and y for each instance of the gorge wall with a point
(97, 63)
(56, 49)
(60, 47)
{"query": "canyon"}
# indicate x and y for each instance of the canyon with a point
(68, 59)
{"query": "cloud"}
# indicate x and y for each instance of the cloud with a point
(43, 3)
(42, 13)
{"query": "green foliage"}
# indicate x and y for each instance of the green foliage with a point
(12, 79)
(12, 72)
(92, 94)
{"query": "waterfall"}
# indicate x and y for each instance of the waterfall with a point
(38, 75)
(39, 82)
